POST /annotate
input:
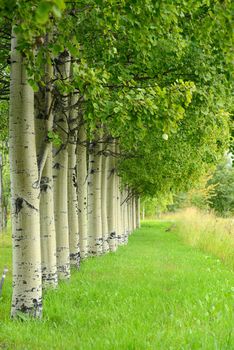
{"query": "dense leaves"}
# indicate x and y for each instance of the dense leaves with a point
(145, 73)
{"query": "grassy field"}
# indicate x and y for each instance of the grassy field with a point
(156, 293)
(211, 234)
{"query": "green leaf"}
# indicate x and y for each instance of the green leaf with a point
(42, 13)
(60, 4)
(33, 84)
(56, 11)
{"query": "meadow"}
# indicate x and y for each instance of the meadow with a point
(155, 293)
(206, 231)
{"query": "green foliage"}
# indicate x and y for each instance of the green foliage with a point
(4, 110)
(223, 199)
(54, 138)
(143, 72)
(213, 191)
(45, 8)
(154, 207)
(145, 296)
(198, 196)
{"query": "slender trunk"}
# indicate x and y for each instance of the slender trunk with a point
(138, 211)
(143, 212)
(95, 225)
(118, 209)
(133, 213)
(72, 193)
(82, 190)
(130, 216)
(47, 224)
(27, 286)
(44, 124)
(105, 165)
(111, 202)
(60, 180)
(122, 213)
(118, 212)
(90, 202)
(126, 224)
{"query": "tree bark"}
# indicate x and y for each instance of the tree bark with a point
(130, 215)
(123, 209)
(138, 210)
(44, 124)
(111, 201)
(133, 213)
(118, 212)
(82, 189)
(90, 201)
(105, 165)
(72, 193)
(94, 199)
(60, 179)
(143, 212)
(27, 286)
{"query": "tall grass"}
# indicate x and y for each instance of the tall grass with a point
(207, 232)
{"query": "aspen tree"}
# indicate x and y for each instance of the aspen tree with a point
(44, 125)
(117, 196)
(104, 180)
(111, 199)
(60, 169)
(125, 215)
(126, 228)
(90, 198)
(118, 212)
(27, 284)
(138, 212)
(130, 223)
(94, 207)
(72, 189)
(122, 213)
(82, 189)
(133, 213)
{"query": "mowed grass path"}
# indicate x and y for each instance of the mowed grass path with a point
(155, 293)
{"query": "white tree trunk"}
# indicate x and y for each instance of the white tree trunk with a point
(60, 181)
(90, 202)
(44, 124)
(94, 207)
(27, 286)
(133, 213)
(72, 193)
(143, 212)
(47, 226)
(82, 190)
(138, 212)
(118, 212)
(105, 165)
(123, 209)
(111, 201)
(130, 216)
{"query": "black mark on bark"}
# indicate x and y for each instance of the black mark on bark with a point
(19, 205)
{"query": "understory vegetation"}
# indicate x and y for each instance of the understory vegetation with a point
(154, 293)
(207, 232)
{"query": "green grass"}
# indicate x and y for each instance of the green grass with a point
(156, 293)
(205, 231)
